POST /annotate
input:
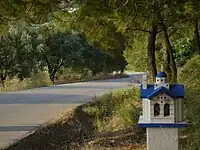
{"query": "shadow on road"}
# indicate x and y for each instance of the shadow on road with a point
(30, 98)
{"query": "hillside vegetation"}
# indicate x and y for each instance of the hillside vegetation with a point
(189, 75)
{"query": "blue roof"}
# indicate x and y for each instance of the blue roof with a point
(161, 74)
(163, 125)
(175, 91)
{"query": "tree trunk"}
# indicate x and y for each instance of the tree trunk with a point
(3, 78)
(196, 33)
(52, 76)
(3, 83)
(151, 52)
(170, 51)
(167, 68)
(53, 71)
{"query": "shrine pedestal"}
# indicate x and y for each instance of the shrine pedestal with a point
(162, 138)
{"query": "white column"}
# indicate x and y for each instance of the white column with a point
(144, 81)
(179, 110)
(146, 110)
(162, 138)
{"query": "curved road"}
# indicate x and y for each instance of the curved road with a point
(24, 111)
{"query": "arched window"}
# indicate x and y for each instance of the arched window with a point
(166, 110)
(156, 109)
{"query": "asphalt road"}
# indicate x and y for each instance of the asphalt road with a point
(22, 112)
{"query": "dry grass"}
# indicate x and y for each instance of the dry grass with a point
(41, 79)
(127, 147)
(96, 125)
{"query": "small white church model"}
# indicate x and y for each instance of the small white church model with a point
(162, 113)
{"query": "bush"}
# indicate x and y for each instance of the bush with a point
(189, 75)
(40, 79)
(15, 84)
(184, 50)
(69, 75)
(122, 107)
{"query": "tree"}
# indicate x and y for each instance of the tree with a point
(19, 51)
(105, 33)
(192, 9)
(62, 49)
(7, 59)
(169, 14)
(123, 15)
(25, 40)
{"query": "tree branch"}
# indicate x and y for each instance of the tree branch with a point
(181, 18)
(171, 33)
(137, 29)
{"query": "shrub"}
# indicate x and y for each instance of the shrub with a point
(68, 75)
(15, 84)
(121, 106)
(40, 79)
(189, 75)
(37, 80)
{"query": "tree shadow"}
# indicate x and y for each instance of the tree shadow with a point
(74, 131)
(120, 138)
(63, 134)
(43, 98)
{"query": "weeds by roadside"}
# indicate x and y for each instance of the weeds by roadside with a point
(41, 79)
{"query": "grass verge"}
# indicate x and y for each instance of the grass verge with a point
(41, 79)
(108, 122)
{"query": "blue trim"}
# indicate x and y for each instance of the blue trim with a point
(175, 91)
(161, 75)
(162, 125)
(158, 91)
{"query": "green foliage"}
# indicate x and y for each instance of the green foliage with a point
(62, 49)
(189, 76)
(97, 29)
(31, 10)
(129, 110)
(191, 69)
(25, 40)
(122, 106)
(26, 49)
(40, 79)
(136, 55)
(7, 58)
(19, 48)
(185, 49)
